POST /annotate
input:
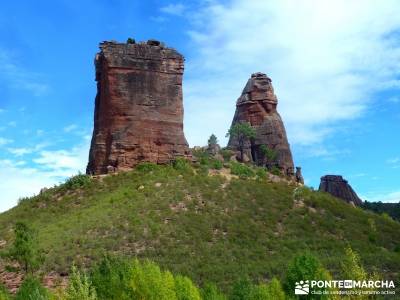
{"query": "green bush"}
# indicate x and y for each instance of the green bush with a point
(149, 282)
(77, 181)
(305, 267)
(112, 278)
(146, 167)
(185, 289)
(216, 164)
(274, 290)
(130, 41)
(31, 289)
(4, 294)
(24, 248)
(276, 171)
(241, 289)
(261, 173)
(79, 287)
(211, 292)
(120, 279)
(241, 170)
(181, 164)
(226, 154)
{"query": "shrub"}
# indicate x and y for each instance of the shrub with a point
(241, 170)
(211, 292)
(181, 164)
(24, 248)
(79, 287)
(305, 267)
(4, 294)
(226, 154)
(216, 164)
(241, 289)
(185, 289)
(352, 267)
(77, 181)
(23, 200)
(31, 289)
(149, 282)
(120, 279)
(261, 173)
(146, 167)
(276, 171)
(130, 41)
(275, 290)
(112, 278)
(270, 155)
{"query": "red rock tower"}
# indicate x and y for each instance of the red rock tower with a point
(138, 108)
(257, 106)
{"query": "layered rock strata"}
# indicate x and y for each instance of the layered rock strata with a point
(257, 106)
(138, 107)
(340, 188)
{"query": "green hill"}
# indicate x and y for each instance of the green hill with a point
(211, 228)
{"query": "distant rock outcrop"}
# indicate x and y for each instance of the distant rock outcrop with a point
(138, 109)
(339, 187)
(257, 106)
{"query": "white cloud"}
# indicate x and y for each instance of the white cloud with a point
(326, 60)
(174, 9)
(20, 151)
(21, 178)
(20, 78)
(394, 160)
(70, 128)
(62, 162)
(4, 141)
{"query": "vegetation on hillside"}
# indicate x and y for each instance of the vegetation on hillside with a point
(115, 278)
(390, 209)
(217, 228)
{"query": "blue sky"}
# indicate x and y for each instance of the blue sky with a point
(335, 66)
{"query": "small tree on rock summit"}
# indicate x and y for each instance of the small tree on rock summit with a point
(243, 133)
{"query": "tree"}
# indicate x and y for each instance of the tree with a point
(243, 133)
(302, 268)
(24, 248)
(32, 289)
(269, 154)
(79, 287)
(353, 269)
(130, 41)
(212, 141)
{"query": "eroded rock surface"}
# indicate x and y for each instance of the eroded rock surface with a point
(257, 106)
(337, 186)
(138, 107)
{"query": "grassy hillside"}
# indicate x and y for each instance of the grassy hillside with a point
(211, 228)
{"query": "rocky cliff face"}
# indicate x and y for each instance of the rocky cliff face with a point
(138, 108)
(257, 106)
(338, 187)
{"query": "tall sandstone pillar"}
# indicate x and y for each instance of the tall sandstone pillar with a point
(257, 107)
(138, 107)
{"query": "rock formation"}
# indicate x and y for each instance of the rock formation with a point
(138, 107)
(299, 176)
(257, 106)
(338, 187)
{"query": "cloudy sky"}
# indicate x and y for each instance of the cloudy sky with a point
(335, 66)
